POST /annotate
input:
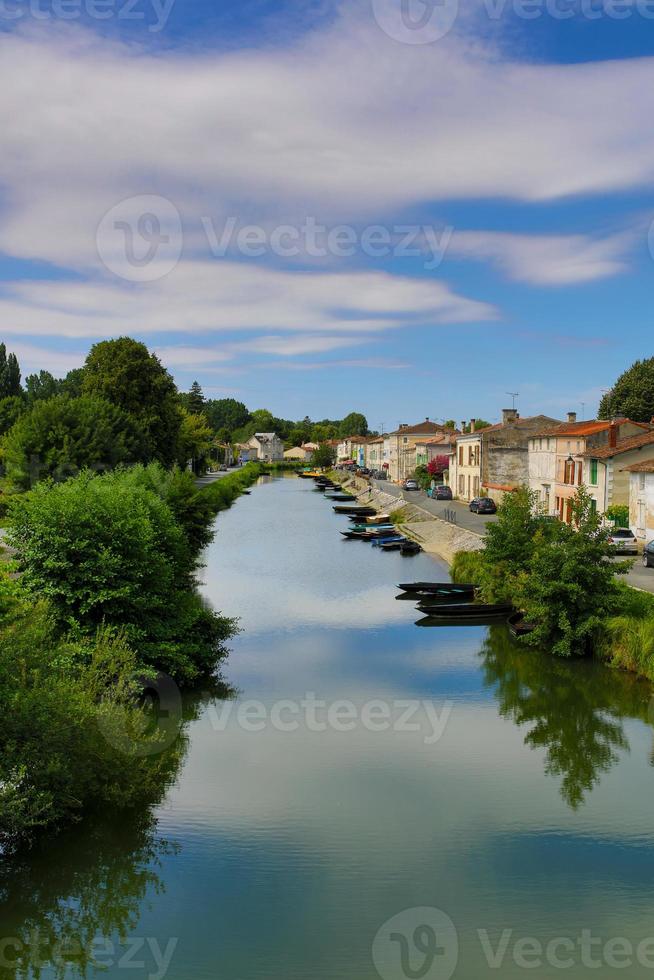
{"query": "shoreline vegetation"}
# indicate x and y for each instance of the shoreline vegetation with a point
(562, 579)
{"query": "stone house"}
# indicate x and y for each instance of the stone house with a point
(563, 457)
(641, 499)
(266, 447)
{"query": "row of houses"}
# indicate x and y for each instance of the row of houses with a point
(397, 453)
(612, 458)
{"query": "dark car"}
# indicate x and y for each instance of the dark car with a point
(441, 493)
(648, 555)
(483, 505)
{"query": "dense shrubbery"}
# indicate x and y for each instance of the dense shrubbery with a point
(558, 574)
(122, 549)
(57, 699)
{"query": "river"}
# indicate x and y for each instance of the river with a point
(375, 800)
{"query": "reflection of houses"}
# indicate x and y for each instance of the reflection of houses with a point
(266, 447)
(495, 460)
(593, 453)
(402, 447)
(641, 499)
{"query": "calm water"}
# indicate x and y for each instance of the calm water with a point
(478, 788)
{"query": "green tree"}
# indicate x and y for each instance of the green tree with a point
(195, 440)
(570, 588)
(10, 411)
(324, 455)
(354, 424)
(107, 551)
(9, 374)
(632, 395)
(73, 382)
(193, 400)
(226, 413)
(59, 437)
(42, 386)
(125, 373)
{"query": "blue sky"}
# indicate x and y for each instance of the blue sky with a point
(319, 207)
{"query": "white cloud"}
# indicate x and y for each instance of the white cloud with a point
(206, 296)
(546, 260)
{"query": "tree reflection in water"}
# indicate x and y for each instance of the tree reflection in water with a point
(86, 885)
(575, 708)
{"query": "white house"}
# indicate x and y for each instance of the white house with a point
(641, 499)
(266, 447)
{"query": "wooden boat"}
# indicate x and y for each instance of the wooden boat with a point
(358, 510)
(411, 548)
(340, 497)
(308, 474)
(373, 527)
(443, 621)
(379, 519)
(469, 610)
(518, 626)
(391, 545)
(438, 588)
(391, 539)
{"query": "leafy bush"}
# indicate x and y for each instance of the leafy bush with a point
(56, 703)
(618, 513)
(61, 436)
(108, 550)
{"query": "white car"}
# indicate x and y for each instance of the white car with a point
(624, 540)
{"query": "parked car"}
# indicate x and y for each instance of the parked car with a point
(483, 505)
(440, 493)
(624, 540)
(648, 555)
(410, 485)
(222, 468)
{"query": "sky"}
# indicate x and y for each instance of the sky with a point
(409, 208)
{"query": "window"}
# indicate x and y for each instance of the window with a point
(460, 455)
(593, 505)
(593, 472)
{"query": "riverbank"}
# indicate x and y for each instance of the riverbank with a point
(435, 536)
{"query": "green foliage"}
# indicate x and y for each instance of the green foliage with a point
(194, 401)
(59, 437)
(423, 477)
(195, 441)
(570, 589)
(467, 567)
(323, 456)
(108, 550)
(226, 413)
(9, 374)
(632, 395)
(11, 409)
(125, 373)
(42, 386)
(191, 507)
(56, 707)
(618, 513)
(354, 424)
(513, 538)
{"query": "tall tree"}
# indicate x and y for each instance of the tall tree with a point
(195, 399)
(632, 395)
(125, 373)
(9, 374)
(226, 413)
(41, 386)
(354, 424)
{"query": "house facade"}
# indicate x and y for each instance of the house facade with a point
(433, 447)
(402, 447)
(375, 452)
(266, 447)
(641, 499)
(592, 453)
(465, 465)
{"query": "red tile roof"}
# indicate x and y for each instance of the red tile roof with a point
(421, 428)
(646, 466)
(585, 428)
(623, 446)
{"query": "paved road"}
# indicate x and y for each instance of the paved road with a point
(209, 478)
(440, 508)
(639, 576)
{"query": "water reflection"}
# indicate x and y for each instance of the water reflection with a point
(575, 710)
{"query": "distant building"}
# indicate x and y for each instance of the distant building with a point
(266, 447)
(402, 447)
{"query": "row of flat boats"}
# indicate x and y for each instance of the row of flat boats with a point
(366, 523)
(441, 603)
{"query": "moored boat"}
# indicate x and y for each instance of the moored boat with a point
(356, 510)
(391, 539)
(518, 626)
(469, 610)
(411, 548)
(438, 588)
(340, 497)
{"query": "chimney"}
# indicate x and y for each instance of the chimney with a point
(572, 417)
(463, 425)
(509, 415)
(613, 434)
(472, 424)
